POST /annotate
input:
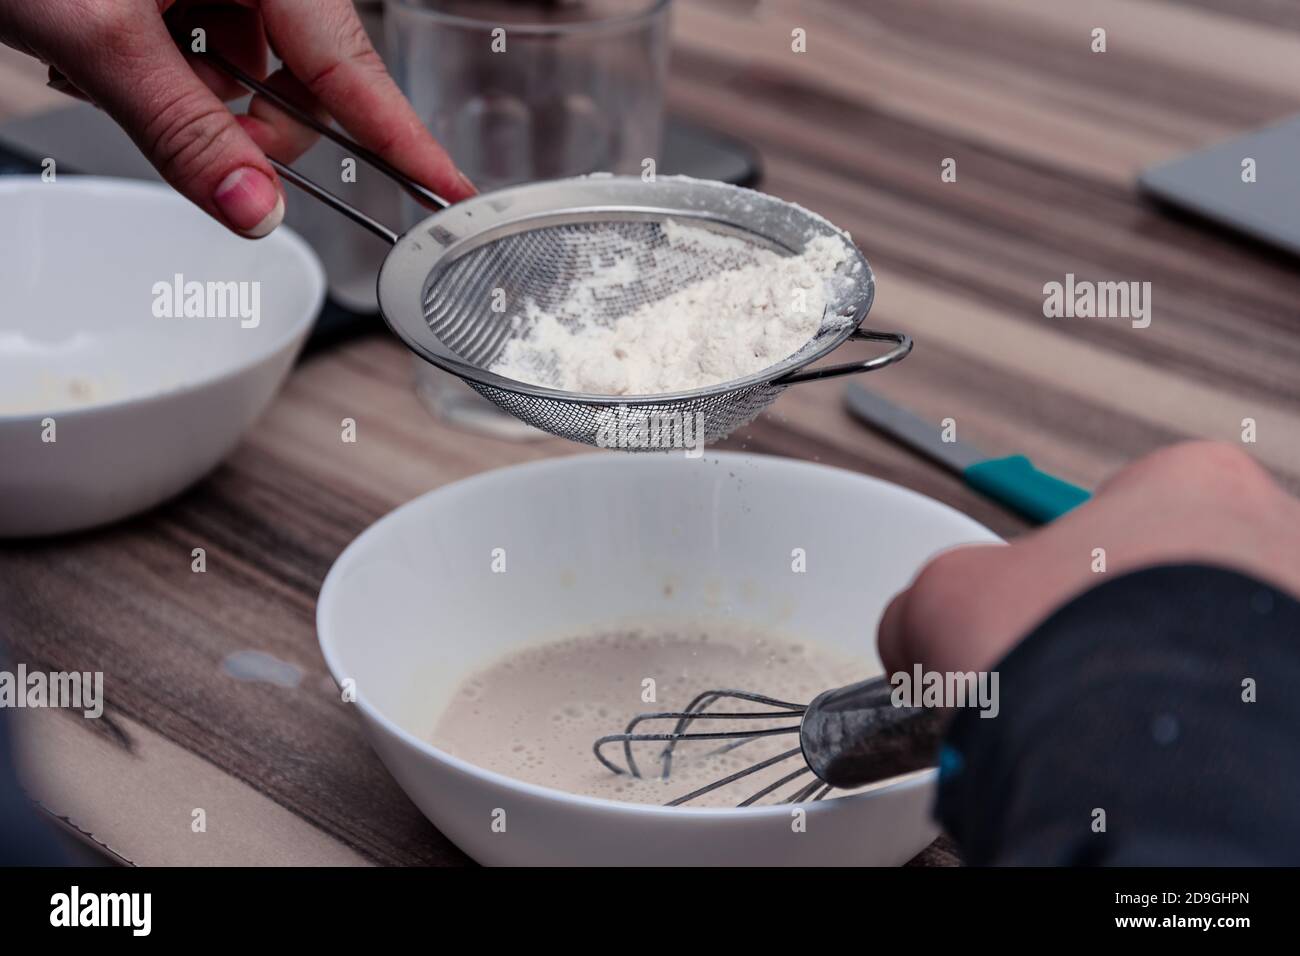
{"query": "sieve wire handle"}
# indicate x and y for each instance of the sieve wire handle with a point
(333, 201)
(902, 347)
(418, 192)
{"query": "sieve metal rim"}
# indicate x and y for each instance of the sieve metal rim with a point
(433, 245)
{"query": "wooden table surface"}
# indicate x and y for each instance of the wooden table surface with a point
(1048, 137)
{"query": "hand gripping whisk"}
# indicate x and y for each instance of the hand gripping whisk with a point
(848, 737)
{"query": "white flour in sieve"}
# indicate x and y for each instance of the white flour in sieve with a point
(745, 318)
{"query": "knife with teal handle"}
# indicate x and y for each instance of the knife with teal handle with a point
(1013, 482)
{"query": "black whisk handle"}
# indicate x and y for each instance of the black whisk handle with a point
(855, 735)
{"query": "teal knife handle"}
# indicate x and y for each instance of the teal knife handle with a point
(1016, 483)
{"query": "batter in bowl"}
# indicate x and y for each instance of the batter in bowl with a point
(534, 713)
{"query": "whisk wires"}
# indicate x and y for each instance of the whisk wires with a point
(697, 710)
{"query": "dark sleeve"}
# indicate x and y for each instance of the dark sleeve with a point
(1169, 699)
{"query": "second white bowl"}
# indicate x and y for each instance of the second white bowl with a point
(112, 398)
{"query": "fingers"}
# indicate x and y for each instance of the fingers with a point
(954, 615)
(1193, 502)
(1195, 468)
(140, 78)
(277, 133)
(891, 640)
(237, 32)
(324, 44)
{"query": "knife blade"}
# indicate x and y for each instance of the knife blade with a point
(1013, 481)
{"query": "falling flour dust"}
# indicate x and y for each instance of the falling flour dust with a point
(534, 713)
(756, 310)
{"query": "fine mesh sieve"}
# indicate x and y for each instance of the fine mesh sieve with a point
(443, 285)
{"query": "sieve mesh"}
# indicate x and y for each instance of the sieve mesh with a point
(638, 427)
(631, 263)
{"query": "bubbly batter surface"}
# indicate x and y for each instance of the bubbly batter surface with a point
(534, 714)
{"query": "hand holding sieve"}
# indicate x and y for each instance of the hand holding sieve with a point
(532, 243)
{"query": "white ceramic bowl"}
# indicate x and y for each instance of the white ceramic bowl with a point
(142, 405)
(412, 605)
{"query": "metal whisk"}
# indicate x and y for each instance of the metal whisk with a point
(848, 737)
